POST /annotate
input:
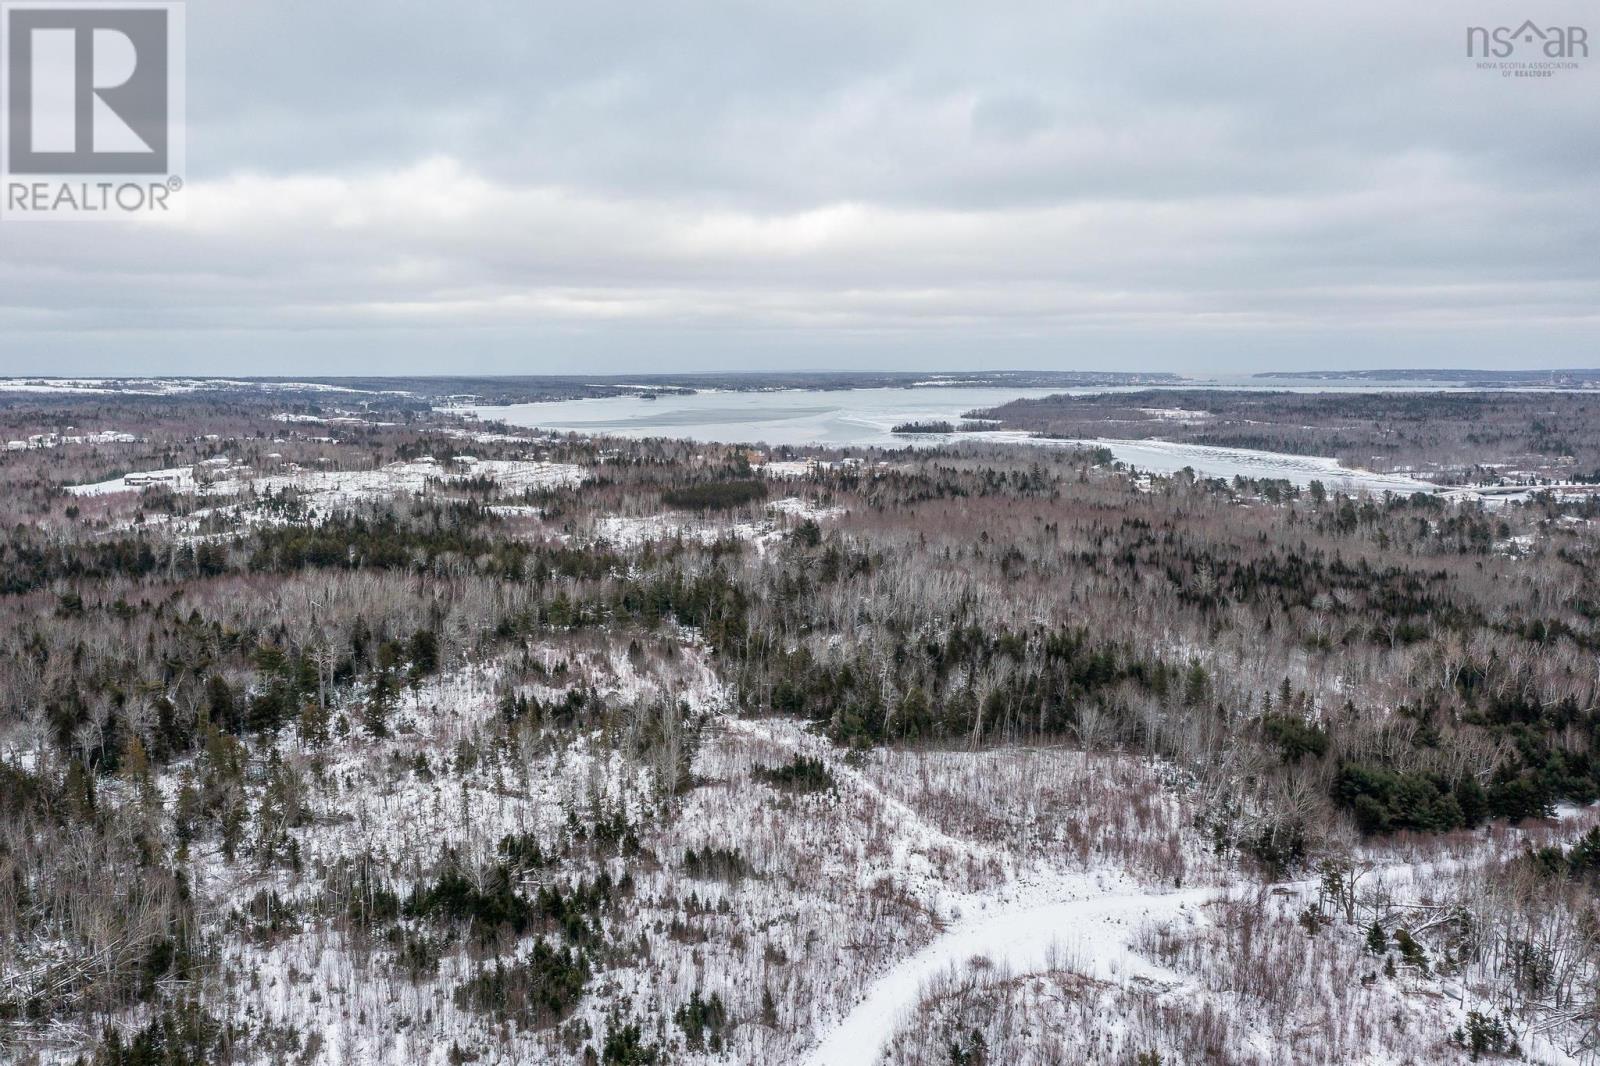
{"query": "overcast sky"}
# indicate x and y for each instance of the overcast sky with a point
(386, 186)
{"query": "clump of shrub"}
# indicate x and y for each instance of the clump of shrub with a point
(521, 851)
(1295, 737)
(1412, 952)
(266, 918)
(537, 991)
(497, 904)
(416, 954)
(182, 1034)
(972, 1051)
(702, 1022)
(625, 1046)
(1278, 846)
(456, 897)
(803, 774)
(715, 864)
(1578, 862)
(1485, 1034)
(807, 533)
(1386, 801)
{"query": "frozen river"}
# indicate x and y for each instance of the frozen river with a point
(859, 418)
(853, 418)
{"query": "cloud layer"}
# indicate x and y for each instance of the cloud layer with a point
(404, 187)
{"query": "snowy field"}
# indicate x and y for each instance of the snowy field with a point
(332, 487)
(626, 532)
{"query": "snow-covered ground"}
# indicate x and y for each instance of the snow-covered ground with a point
(630, 532)
(61, 440)
(1058, 901)
(395, 804)
(838, 887)
(624, 532)
(178, 478)
(1171, 976)
(334, 488)
(171, 386)
(1093, 929)
(787, 468)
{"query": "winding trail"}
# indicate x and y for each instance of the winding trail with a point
(1069, 919)
(1061, 919)
(1090, 934)
(909, 822)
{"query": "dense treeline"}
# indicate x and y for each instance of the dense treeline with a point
(715, 495)
(1464, 436)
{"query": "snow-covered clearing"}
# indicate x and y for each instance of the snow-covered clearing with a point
(329, 420)
(795, 507)
(1089, 937)
(1111, 976)
(178, 478)
(1026, 907)
(1093, 931)
(393, 806)
(622, 531)
(787, 468)
(490, 437)
(1059, 901)
(59, 440)
(331, 489)
(174, 386)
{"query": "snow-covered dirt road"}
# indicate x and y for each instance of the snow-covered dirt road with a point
(1037, 918)
(1090, 934)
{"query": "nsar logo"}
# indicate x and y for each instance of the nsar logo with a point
(1552, 42)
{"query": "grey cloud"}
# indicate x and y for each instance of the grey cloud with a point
(895, 184)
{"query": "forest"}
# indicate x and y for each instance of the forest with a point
(418, 738)
(1461, 438)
